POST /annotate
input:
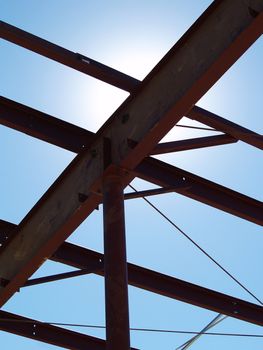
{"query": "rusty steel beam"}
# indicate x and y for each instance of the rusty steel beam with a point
(190, 144)
(202, 190)
(221, 124)
(43, 126)
(71, 59)
(74, 138)
(65, 275)
(115, 264)
(153, 192)
(167, 286)
(29, 328)
(156, 282)
(217, 39)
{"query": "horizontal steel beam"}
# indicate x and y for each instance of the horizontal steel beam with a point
(43, 126)
(202, 190)
(162, 102)
(155, 282)
(190, 144)
(153, 192)
(71, 59)
(29, 328)
(168, 286)
(74, 138)
(65, 275)
(221, 124)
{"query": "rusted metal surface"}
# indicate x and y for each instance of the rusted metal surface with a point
(167, 286)
(115, 264)
(74, 138)
(202, 190)
(97, 266)
(190, 144)
(71, 59)
(53, 335)
(224, 125)
(156, 282)
(43, 126)
(162, 102)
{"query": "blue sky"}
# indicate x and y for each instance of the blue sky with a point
(131, 36)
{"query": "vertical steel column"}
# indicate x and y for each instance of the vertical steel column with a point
(116, 282)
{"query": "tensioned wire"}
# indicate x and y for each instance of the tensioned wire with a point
(198, 246)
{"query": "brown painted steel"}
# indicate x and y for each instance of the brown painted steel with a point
(202, 190)
(115, 264)
(154, 191)
(190, 144)
(43, 126)
(73, 138)
(58, 336)
(222, 124)
(162, 102)
(167, 286)
(156, 282)
(71, 59)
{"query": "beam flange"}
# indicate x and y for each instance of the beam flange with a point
(221, 124)
(197, 61)
(191, 144)
(46, 333)
(156, 282)
(202, 190)
(43, 126)
(167, 286)
(71, 59)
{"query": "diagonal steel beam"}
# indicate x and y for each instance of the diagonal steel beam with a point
(218, 38)
(202, 190)
(46, 333)
(221, 124)
(43, 126)
(190, 144)
(155, 282)
(71, 59)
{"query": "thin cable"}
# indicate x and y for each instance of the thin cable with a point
(132, 328)
(198, 246)
(219, 318)
(196, 127)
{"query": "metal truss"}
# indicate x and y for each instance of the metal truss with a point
(110, 159)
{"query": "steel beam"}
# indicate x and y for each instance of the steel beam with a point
(152, 192)
(71, 59)
(218, 38)
(202, 190)
(221, 124)
(115, 264)
(190, 144)
(74, 138)
(43, 126)
(46, 333)
(156, 282)
(167, 286)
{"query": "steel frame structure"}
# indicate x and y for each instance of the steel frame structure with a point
(109, 160)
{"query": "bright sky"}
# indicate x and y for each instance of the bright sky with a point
(131, 36)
